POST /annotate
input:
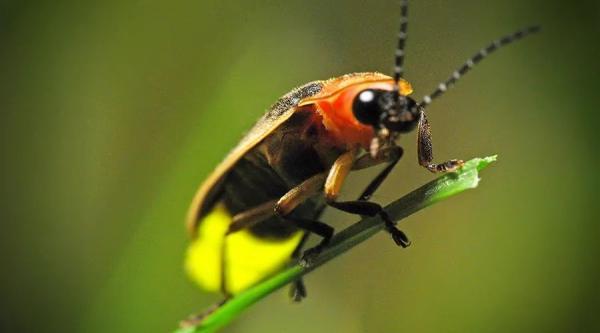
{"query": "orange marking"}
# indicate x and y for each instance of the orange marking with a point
(334, 105)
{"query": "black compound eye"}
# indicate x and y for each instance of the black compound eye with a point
(366, 107)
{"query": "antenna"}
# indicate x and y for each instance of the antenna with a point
(474, 60)
(399, 60)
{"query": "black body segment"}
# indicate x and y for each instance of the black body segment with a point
(271, 169)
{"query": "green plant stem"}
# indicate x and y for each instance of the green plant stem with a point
(443, 187)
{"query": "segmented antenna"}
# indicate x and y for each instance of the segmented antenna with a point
(399, 101)
(399, 60)
(441, 89)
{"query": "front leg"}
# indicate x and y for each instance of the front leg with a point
(425, 149)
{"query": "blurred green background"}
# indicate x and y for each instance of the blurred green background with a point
(112, 113)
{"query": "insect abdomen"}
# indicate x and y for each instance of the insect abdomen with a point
(246, 259)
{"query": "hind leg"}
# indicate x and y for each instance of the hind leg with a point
(283, 208)
(298, 289)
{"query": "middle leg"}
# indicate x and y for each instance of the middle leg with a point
(367, 208)
(362, 206)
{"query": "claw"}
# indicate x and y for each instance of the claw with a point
(448, 166)
(399, 237)
(453, 165)
(310, 255)
(297, 291)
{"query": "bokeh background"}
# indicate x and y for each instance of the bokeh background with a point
(112, 112)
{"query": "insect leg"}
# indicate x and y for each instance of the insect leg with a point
(362, 207)
(372, 209)
(299, 194)
(393, 156)
(296, 196)
(224, 268)
(385, 155)
(316, 227)
(282, 207)
(252, 216)
(298, 289)
(338, 173)
(241, 221)
(425, 149)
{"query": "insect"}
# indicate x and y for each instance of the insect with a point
(256, 209)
